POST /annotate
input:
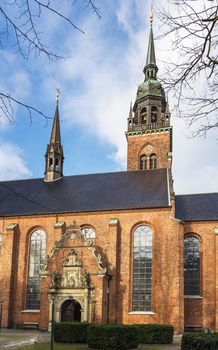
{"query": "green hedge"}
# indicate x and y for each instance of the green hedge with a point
(68, 332)
(200, 341)
(155, 333)
(112, 337)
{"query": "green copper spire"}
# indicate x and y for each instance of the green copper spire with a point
(151, 69)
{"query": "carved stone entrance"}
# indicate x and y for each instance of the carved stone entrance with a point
(71, 311)
(77, 278)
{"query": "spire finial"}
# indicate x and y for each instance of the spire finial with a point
(57, 94)
(151, 17)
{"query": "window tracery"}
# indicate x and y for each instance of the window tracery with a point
(142, 269)
(153, 161)
(36, 260)
(89, 232)
(143, 162)
(191, 265)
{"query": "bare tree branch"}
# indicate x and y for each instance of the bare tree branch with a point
(192, 27)
(20, 25)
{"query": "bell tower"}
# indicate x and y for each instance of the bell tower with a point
(149, 134)
(54, 157)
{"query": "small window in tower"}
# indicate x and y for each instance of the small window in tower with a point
(143, 115)
(143, 162)
(154, 114)
(56, 163)
(50, 161)
(153, 161)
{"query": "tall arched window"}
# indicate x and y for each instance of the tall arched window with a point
(191, 265)
(143, 162)
(36, 259)
(143, 115)
(142, 269)
(154, 114)
(153, 161)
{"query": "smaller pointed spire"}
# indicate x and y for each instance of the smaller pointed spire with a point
(130, 111)
(56, 134)
(167, 107)
(54, 155)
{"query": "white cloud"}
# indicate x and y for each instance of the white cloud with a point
(12, 165)
(99, 81)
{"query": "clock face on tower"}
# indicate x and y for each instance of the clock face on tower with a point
(148, 149)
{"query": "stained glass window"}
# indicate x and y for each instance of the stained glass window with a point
(36, 260)
(142, 269)
(191, 265)
(88, 232)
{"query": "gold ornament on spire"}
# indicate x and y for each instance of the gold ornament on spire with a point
(57, 94)
(151, 18)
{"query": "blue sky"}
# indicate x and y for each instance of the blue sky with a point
(97, 82)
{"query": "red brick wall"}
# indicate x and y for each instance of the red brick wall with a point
(114, 243)
(209, 267)
(160, 142)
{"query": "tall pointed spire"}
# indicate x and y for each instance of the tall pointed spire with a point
(54, 155)
(150, 70)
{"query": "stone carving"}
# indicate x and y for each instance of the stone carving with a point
(72, 275)
(70, 279)
(73, 232)
(56, 280)
(72, 259)
(102, 270)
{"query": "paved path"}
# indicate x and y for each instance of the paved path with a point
(10, 338)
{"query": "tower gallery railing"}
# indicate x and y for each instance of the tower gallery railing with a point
(149, 126)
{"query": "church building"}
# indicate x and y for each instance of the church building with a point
(116, 247)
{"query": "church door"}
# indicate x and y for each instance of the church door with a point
(71, 311)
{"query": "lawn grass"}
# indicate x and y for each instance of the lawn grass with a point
(57, 346)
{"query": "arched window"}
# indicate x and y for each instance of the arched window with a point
(56, 163)
(143, 115)
(142, 269)
(153, 161)
(191, 265)
(36, 260)
(154, 114)
(143, 162)
(88, 232)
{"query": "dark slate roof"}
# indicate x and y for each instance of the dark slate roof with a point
(82, 193)
(197, 207)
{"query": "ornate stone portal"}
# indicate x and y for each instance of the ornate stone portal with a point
(72, 281)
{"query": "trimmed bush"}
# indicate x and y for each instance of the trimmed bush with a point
(112, 337)
(200, 341)
(69, 332)
(155, 333)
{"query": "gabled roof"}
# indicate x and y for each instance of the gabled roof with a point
(82, 193)
(197, 207)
